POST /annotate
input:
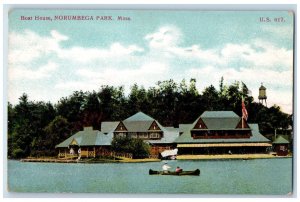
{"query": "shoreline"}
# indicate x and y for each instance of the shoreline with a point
(230, 156)
(179, 157)
(56, 160)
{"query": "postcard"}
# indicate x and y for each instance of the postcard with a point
(150, 102)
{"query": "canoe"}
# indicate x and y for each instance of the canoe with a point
(194, 172)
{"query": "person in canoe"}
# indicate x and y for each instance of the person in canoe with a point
(178, 169)
(166, 168)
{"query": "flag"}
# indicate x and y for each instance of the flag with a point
(244, 110)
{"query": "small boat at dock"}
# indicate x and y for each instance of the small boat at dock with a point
(194, 172)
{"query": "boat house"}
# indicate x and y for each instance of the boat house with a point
(214, 132)
(144, 127)
(87, 143)
(221, 132)
(92, 143)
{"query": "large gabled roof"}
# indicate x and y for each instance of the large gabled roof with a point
(140, 116)
(137, 126)
(87, 137)
(140, 122)
(219, 120)
(255, 137)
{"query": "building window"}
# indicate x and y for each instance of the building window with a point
(143, 135)
(133, 135)
(154, 135)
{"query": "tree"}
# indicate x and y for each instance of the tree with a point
(210, 98)
(166, 100)
(27, 120)
(10, 128)
(56, 131)
(91, 110)
(34, 128)
(72, 108)
(137, 147)
(193, 89)
(138, 99)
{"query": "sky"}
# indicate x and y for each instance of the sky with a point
(50, 59)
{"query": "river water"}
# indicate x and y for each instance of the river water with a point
(234, 177)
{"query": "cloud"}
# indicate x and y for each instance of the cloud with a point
(75, 54)
(165, 37)
(258, 55)
(21, 72)
(58, 36)
(164, 57)
(27, 46)
(279, 84)
(282, 32)
(146, 75)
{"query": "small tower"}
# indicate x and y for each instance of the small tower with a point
(262, 94)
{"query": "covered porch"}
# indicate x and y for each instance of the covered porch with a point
(75, 152)
(224, 148)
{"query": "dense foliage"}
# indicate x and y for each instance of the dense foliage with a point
(137, 147)
(34, 128)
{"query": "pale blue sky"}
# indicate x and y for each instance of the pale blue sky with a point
(51, 59)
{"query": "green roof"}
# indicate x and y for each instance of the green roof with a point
(219, 120)
(140, 116)
(256, 137)
(87, 137)
(109, 126)
(140, 122)
(219, 114)
(281, 140)
(221, 123)
(138, 126)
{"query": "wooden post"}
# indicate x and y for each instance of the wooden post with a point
(94, 152)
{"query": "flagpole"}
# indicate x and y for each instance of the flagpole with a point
(242, 113)
(242, 122)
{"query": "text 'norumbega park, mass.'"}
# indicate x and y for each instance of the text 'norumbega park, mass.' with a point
(75, 18)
